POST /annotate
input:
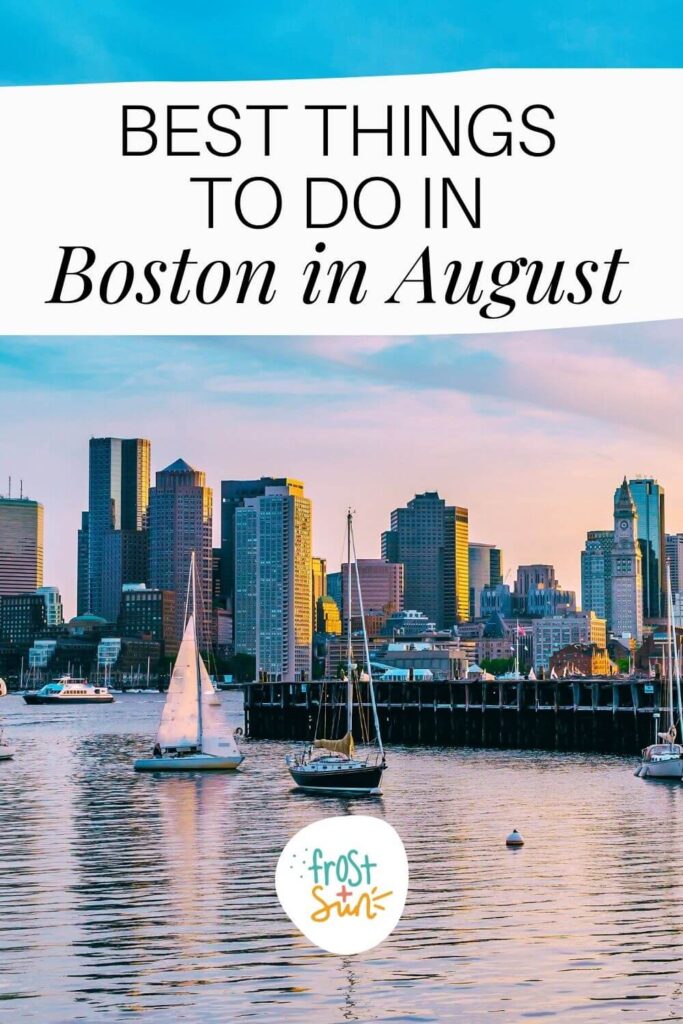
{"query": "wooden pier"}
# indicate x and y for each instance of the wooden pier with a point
(601, 715)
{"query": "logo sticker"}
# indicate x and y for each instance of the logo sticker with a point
(343, 882)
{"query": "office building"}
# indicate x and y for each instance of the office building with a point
(233, 495)
(674, 556)
(83, 568)
(22, 617)
(648, 496)
(118, 496)
(627, 578)
(381, 585)
(148, 614)
(486, 570)
(180, 523)
(273, 611)
(21, 545)
(596, 574)
(430, 539)
(554, 632)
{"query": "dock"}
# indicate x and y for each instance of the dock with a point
(603, 715)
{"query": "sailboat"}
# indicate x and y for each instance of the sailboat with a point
(194, 734)
(664, 760)
(339, 769)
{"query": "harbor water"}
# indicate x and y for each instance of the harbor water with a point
(127, 896)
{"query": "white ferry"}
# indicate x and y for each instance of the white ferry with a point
(66, 691)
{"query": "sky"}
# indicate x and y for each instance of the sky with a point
(64, 41)
(531, 432)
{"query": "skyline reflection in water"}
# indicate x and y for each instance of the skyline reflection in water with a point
(126, 895)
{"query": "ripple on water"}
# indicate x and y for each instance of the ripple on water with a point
(124, 894)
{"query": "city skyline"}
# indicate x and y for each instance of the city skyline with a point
(525, 430)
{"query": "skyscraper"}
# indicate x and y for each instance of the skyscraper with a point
(83, 584)
(180, 522)
(431, 539)
(381, 585)
(21, 545)
(233, 494)
(674, 556)
(486, 570)
(627, 578)
(649, 498)
(117, 503)
(596, 574)
(318, 584)
(273, 613)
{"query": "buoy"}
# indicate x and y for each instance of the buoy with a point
(514, 839)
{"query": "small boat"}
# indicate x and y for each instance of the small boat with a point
(664, 759)
(3, 688)
(66, 691)
(340, 770)
(6, 751)
(194, 734)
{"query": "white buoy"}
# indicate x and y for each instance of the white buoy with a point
(514, 839)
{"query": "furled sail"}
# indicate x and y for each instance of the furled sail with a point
(217, 737)
(342, 746)
(180, 718)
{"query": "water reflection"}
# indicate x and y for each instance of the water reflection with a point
(122, 893)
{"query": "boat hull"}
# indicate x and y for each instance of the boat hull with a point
(363, 781)
(671, 769)
(6, 753)
(33, 698)
(190, 763)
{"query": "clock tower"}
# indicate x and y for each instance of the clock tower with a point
(627, 575)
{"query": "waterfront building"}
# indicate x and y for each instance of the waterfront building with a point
(148, 614)
(180, 523)
(108, 651)
(439, 661)
(596, 574)
(431, 540)
(582, 660)
(54, 613)
(118, 495)
(552, 633)
(22, 617)
(648, 496)
(408, 622)
(273, 610)
(233, 494)
(485, 570)
(627, 579)
(21, 545)
(41, 653)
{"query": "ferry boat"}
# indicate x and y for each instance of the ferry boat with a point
(66, 690)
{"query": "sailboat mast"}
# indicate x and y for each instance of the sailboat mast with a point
(366, 650)
(197, 654)
(349, 647)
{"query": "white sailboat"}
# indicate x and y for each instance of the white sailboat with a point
(664, 760)
(194, 733)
